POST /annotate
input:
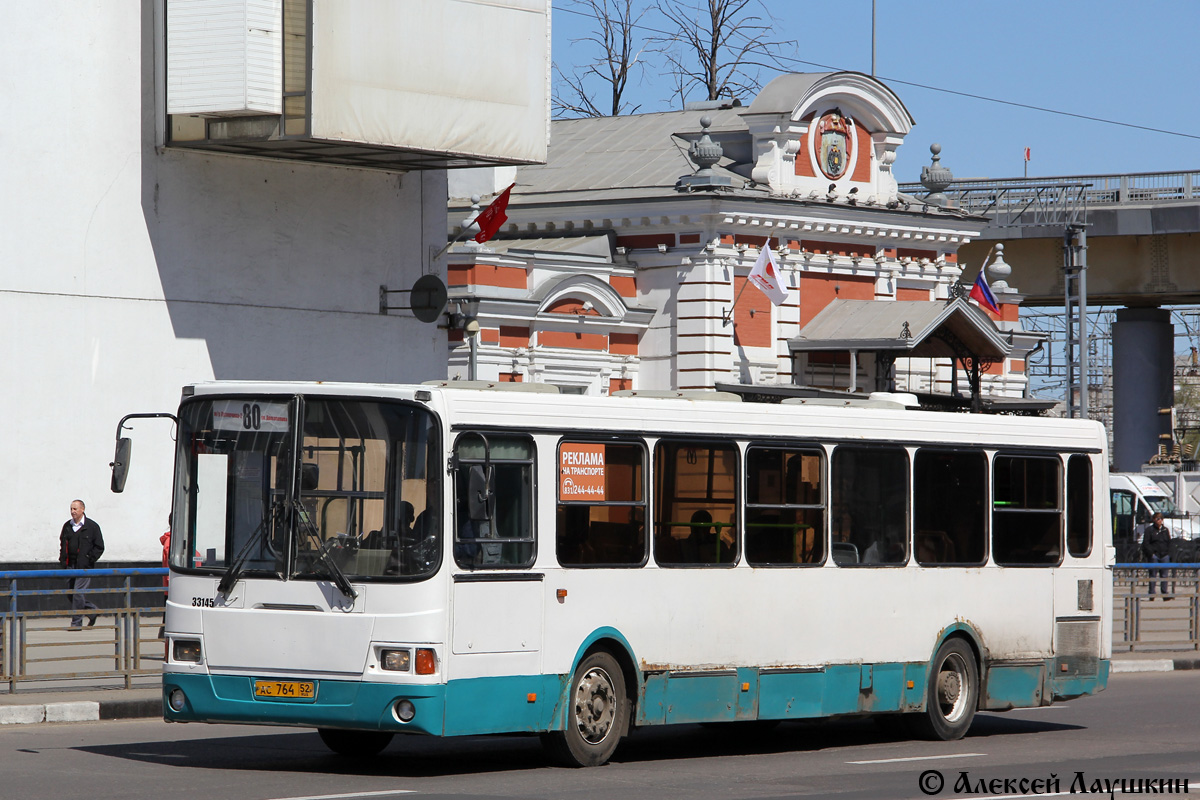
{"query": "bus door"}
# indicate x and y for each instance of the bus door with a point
(497, 603)
(1081, 589)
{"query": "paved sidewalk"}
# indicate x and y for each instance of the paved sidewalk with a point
(85, 704)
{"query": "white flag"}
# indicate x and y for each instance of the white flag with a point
(766, 277)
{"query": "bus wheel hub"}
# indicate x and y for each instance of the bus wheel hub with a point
(594, 706)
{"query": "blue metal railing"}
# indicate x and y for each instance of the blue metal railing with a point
(35, 644)
(36, 647)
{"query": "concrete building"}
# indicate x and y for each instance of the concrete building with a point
(219, 190)
(624, 260)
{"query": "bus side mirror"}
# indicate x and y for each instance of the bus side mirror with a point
(310, 476)
(481, 493)
(120, 464)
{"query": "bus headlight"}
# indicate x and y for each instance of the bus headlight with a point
(186, 650)
(177, 700)
(396, 660)
(405, 710)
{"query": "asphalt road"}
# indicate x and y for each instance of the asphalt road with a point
(1146, 726)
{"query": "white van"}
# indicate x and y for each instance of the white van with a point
(1135, 499)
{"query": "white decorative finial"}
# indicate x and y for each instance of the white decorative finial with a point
(998, 271)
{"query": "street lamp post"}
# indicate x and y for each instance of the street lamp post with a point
(464, 318)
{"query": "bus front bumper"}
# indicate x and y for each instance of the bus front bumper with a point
(353, 705)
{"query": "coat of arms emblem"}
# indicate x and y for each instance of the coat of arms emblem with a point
(834, 144)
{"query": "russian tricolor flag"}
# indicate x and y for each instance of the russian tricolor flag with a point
(982, 293)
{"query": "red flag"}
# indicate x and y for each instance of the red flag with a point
(1026, 153)
(492, 217)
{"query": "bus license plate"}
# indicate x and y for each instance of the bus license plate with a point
(299, 689)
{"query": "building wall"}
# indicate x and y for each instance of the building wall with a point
(130, 270)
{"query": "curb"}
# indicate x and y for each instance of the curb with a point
(1155, 665)
(80, 711)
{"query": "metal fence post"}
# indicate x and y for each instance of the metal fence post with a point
(1194, 619)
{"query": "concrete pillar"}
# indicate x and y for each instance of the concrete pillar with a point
(1143, 384)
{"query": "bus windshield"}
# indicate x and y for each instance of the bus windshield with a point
(307, 488)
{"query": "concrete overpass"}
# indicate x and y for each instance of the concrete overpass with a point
(1142, 235)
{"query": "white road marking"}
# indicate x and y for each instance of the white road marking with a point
(918, 758)
(352, 794)
(1058, 707)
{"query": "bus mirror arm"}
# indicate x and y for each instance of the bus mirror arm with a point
(120, 462)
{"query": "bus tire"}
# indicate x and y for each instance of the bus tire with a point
(597, 714)
(354, 744)
(951, 693)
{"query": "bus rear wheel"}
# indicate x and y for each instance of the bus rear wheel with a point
(354, 744)
(951, 693)
(597, 714)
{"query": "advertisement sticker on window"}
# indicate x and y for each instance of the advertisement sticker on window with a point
(581, 472)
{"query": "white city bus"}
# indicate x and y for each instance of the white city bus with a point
(369, 560)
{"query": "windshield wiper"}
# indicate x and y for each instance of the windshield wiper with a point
(335, 572)
(229, 579)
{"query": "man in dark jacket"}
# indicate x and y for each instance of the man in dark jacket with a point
(1156, 544)
(80, 546)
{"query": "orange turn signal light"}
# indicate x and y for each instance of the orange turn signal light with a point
(426, 661)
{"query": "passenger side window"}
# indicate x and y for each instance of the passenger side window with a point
(869, 506)
(493, 488)
(601, 518)
(1079, 505)
(695, 512)
(1026, 510)
(785, 506)
(949, 507)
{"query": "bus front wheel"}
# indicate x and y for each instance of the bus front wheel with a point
(597, 714)
(951, 693)
(354, 744)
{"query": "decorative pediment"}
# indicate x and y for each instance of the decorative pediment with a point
(811, 131)
(591, 296)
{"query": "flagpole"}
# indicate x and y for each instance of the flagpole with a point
(728, 315)
(452, 242)
(987, 258)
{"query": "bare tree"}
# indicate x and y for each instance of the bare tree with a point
(718, 47)
(617, 52)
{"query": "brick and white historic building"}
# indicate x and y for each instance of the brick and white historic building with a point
(623, 256)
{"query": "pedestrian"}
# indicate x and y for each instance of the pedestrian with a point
(80, 546)
(165, 541)
(1156, 544)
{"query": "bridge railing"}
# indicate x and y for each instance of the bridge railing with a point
(1055, 200)
(36, 645)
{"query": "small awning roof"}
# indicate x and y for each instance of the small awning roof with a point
(907, 328)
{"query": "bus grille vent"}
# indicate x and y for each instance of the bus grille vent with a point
(1077, 648)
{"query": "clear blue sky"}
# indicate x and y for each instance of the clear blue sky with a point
(1136, 63)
